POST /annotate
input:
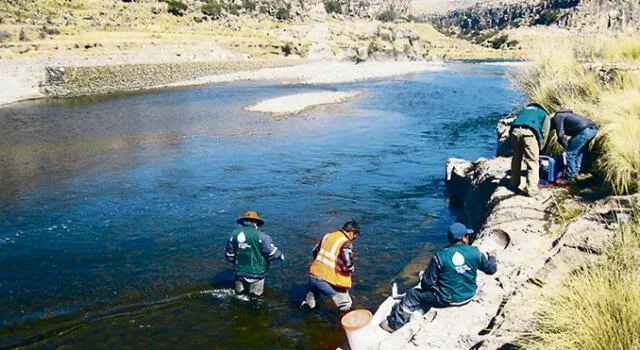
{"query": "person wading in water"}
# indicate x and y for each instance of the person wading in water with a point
(330, 271)
(251, 251)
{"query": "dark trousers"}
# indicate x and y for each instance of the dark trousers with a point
(414, 299)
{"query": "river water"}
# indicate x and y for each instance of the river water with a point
(115, 210)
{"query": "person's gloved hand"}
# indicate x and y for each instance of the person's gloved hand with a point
(282, 257)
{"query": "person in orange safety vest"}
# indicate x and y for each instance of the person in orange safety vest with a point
(330, 271)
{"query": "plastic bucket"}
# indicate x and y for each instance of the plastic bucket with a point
(356, 325)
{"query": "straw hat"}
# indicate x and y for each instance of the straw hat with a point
(251, 215)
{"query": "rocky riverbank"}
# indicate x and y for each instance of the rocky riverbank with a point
(95, 78)
(62, 82)
(539, 241)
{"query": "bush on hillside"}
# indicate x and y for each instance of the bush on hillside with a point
(233, 9)
(249, 5)
(284, 13)
(498, 41)
(546, 17)
(212, 9)
(287, 48)
(333, 6)
(176, 7)
(387, 16)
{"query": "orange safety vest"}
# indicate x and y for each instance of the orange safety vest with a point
(327, 265)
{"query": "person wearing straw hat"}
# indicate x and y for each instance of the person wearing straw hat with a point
(251, 252)
(332, 266)
(449, 279)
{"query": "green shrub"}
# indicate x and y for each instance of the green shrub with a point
(512, 43)
(249, 5)
(212, 9)
(546, 18)
(233, 9)
(284, 13)
(23, 35)
(176, 7)
(387, 16)
(287, 48)
(332, 6)
(497, 42)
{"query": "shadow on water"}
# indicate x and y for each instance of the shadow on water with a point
(115, 211)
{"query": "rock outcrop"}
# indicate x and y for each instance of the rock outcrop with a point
(618, 15)
(373, 8)
(538, 244)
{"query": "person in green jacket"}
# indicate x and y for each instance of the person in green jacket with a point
(529, 133)
(251, 251)
(448, 280)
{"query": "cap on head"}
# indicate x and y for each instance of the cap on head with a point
(352, 226)
(251, 216)
(457, 231)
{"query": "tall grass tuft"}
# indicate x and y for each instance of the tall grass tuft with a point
(574, 78)
(598, 307)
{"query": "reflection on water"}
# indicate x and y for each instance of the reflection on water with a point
(115, 211)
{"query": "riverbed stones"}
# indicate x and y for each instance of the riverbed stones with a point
(62, 82)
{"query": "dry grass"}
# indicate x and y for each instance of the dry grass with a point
(598, 307)
(572, 78)
(74, 20)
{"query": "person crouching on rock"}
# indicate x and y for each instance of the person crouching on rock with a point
(250, 251)
(581, 130)
(330, 271)
(449, 279)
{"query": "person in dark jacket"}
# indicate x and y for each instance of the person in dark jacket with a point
(250, 251)
(448, 280)
(332, 266)
(581, 130)
(529, 133)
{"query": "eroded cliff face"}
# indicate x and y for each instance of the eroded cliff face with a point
(612, 15)
(359, 8)
(372, 8)
(596, 15)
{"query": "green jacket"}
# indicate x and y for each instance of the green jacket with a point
(249, 260)
(452, 273)
(536, 119)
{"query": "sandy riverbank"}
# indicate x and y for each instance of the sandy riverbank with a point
(324, 72)
(22, 77)
(293, 104)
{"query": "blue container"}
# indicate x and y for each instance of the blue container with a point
(551, 169)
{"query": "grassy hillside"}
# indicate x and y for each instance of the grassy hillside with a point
(89, 27)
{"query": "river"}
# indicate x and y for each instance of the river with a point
(115, 210)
